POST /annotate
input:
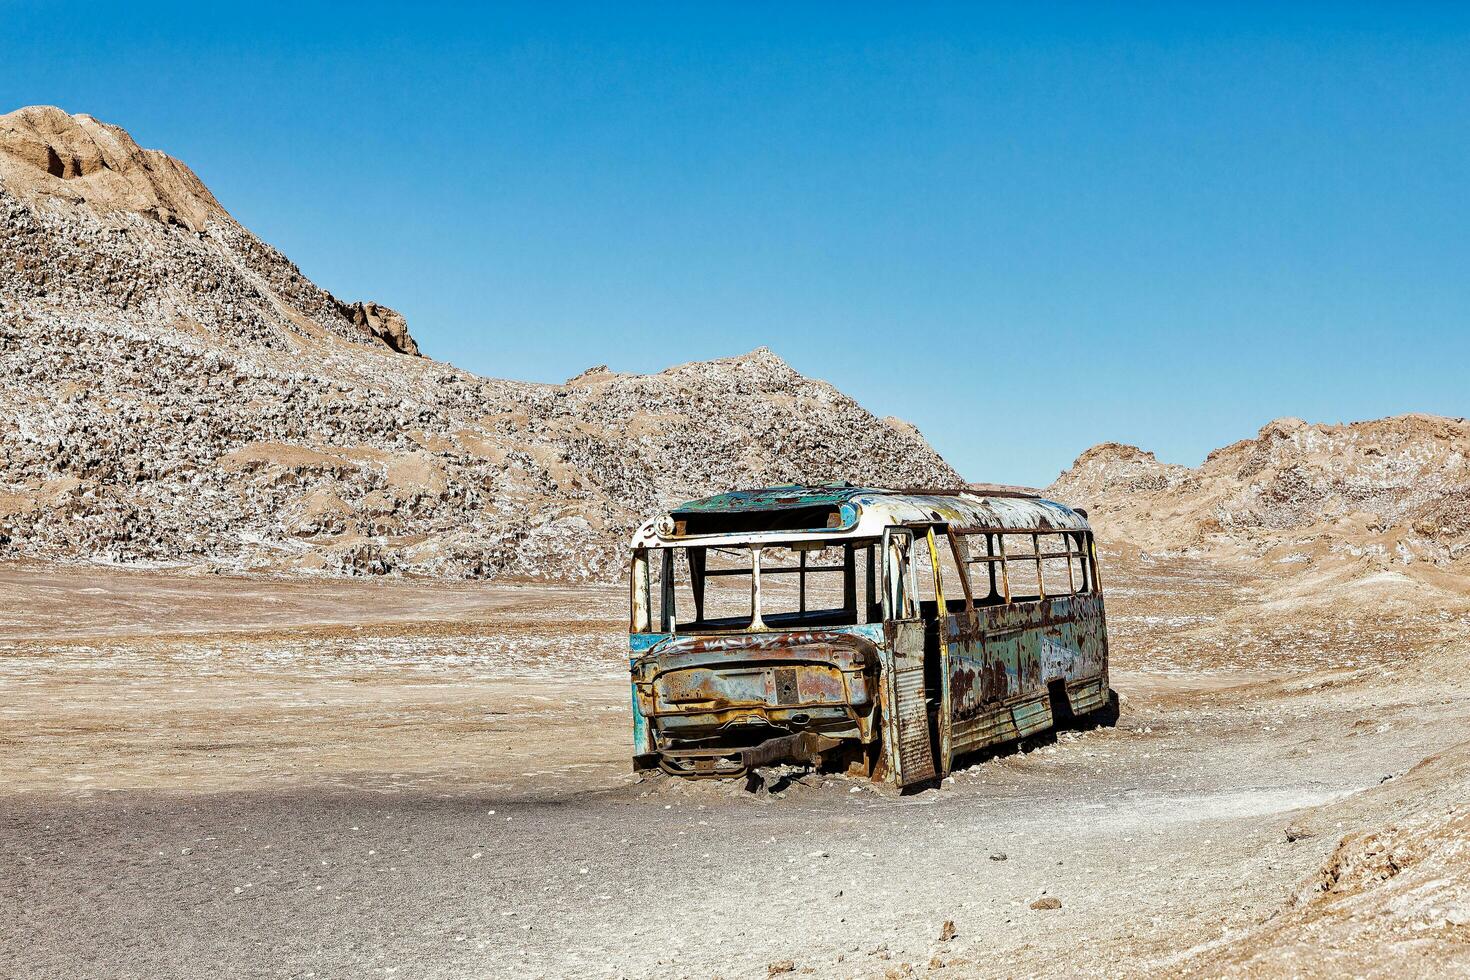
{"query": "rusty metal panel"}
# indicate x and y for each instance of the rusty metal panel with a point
(987, 728)
(946, 705)
(786, 687)
(1087, 697)
(714, 686)
(1032, 716)
(642, 737)
(999, 668)
(911, 755)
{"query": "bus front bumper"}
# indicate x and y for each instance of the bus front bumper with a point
(804, 748)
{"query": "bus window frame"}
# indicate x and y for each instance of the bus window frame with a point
(1077, 543)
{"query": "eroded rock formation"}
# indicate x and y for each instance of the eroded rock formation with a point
(1389, 491)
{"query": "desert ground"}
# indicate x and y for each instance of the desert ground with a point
(285, 777)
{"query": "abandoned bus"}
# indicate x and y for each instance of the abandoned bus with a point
(887, 632)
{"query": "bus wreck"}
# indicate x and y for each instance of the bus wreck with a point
(884, 632)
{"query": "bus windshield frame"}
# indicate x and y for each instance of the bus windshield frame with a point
(787, 585)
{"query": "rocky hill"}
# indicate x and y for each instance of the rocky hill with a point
(172, 389)
(1394, 491)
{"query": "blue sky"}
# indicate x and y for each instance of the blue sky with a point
(1024, 228)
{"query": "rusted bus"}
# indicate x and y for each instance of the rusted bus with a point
(883, 631)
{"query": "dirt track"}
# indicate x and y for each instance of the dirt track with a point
(287, 778)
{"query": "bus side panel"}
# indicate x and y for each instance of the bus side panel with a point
(1071, 641)
(1087, 696)
(1085, 636)
(998, 678)
(985, 674)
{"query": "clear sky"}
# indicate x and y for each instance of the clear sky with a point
(1024, 228)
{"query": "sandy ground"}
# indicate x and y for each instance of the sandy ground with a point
(256, 777)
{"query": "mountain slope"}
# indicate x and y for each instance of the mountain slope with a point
(93, 222)
(172, 389)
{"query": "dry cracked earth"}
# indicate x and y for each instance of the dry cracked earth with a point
(275, 777)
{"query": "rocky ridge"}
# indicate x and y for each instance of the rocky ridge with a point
(174, 390)
(1387, 493)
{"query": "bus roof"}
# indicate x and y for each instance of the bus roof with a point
(841, 510)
